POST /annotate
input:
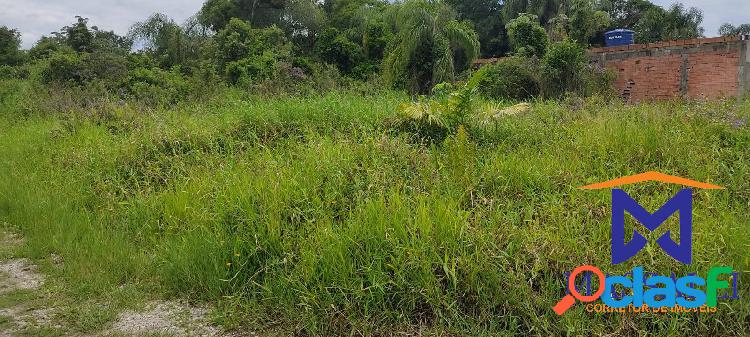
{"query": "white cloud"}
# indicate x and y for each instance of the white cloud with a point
(34, 18)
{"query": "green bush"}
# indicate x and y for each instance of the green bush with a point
(79, 69)
(448, 110)
(600, 81)
(46, 47)
(250, 70)
(63, 67)
(108, 67)
(17, 72)
(157, 86)
(526, 36)
(334, 48)
(246, 55)
(513, 78)
(563, 69)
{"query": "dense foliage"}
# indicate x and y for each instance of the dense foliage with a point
(526, 36)
(10, 43)
(303, 46)
(430, 48)
(513, 78)
(728, 29)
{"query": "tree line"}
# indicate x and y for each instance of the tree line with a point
(410, 45)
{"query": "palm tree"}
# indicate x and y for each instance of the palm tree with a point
(428, 45)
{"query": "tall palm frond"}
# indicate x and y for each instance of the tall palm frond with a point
(428, 25)
(462, 35)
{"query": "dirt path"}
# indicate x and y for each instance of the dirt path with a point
(25, 309)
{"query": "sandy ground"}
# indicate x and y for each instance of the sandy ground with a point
(158, 318)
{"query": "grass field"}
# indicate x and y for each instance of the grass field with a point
(313, 216)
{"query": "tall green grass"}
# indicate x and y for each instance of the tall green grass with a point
(313, 216)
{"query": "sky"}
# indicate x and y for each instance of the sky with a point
(35, 18)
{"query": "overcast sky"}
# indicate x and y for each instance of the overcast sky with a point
(35, 18)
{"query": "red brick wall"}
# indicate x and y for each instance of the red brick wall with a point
(652, 77)
(713, 74)
(702, 68)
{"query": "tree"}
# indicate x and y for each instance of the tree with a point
(247, 55)
(543, 9)
(83, 39)
(302, 20)
(10, 44)
(627, 13)
(347, 14)
(335, 48)
(295, 17)
(728, 29)
(526, 36)
(585, 21)
(169, 43)
(78, 36)
(488, 22)
(361, 23)
(563, 67)
(427, 42)
(110, 42)
(260, 13)
(676, 23)
(46, 46)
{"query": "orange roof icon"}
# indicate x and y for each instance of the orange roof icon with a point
(651, 176)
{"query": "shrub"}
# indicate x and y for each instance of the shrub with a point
(440, 115)
(156, 86)
(599, 81)
(563, 69)
(336, 49)
(526, 36)
(513, 78)
(63, 67)
(79, 69)
(250, 70)
(203, 80)
(17, 72)
(286, 78)
(246, 55)
(46, 47)
(108, 67)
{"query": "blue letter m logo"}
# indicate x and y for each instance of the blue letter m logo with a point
(622, 202)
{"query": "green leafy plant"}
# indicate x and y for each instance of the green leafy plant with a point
(335, 48)
(448, 109)
(513, 78)
(526, 36)
(246, 55)
(428, 41)
(563, 69)
(156, 86)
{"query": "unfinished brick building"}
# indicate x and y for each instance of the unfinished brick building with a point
(698, 68)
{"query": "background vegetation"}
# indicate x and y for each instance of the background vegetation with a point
(341, 169)
(301, 46)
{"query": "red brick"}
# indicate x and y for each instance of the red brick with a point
(709, 73)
